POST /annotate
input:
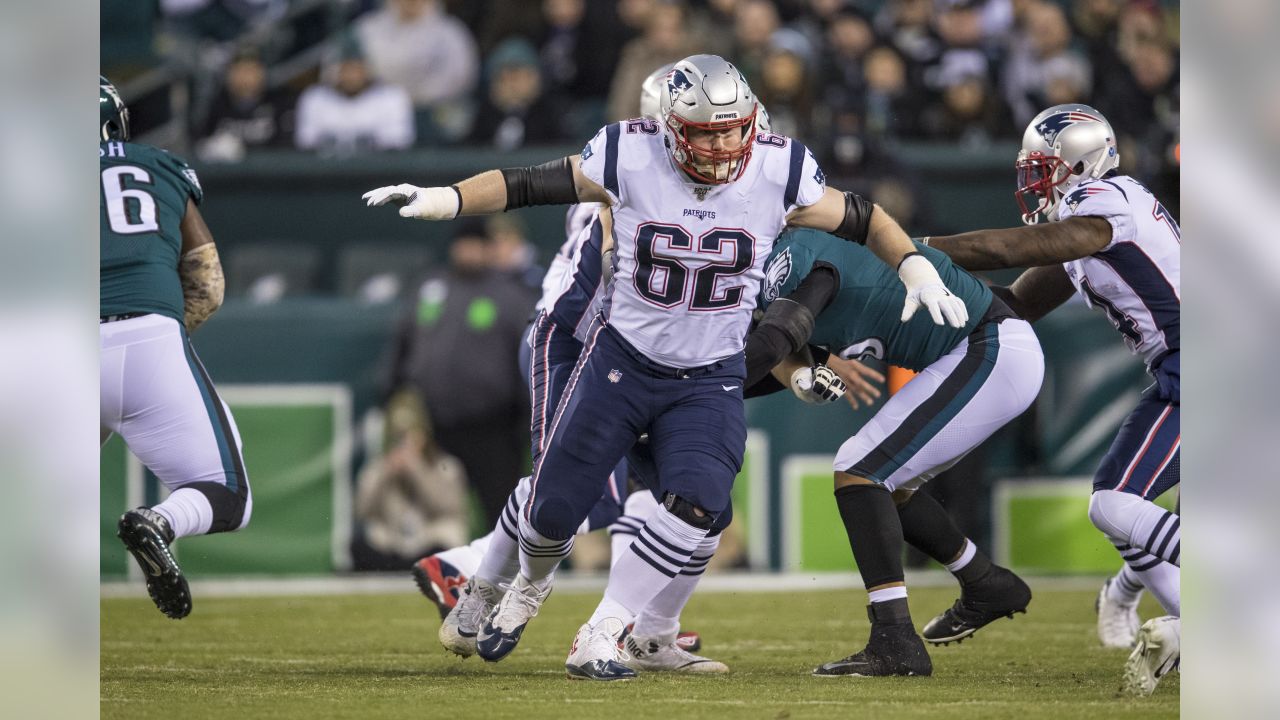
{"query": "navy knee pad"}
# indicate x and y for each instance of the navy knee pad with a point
(554, 518)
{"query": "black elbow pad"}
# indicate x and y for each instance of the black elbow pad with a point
(550, 183)
(793, 319)
(857, 219)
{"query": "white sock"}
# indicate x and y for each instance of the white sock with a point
(501, 559)
(661, 617)
(188, 512)
(467, 557)
(1126, 587)
(539, 555)
(661, 550)
(1163, 579)
(638, 508)
(886, 594)
(965, 556)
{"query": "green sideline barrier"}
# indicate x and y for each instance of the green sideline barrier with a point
(297, 443)
(1041, 524)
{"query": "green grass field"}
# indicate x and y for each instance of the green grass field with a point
(375, 656)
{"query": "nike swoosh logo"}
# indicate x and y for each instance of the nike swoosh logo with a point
(727, 388)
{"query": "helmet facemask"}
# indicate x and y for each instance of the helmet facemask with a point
(1040, 181)
(713, 167)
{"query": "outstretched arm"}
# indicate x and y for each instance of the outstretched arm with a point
(853, 218)
(1030, 246)
(1037, 292)
(559, 182)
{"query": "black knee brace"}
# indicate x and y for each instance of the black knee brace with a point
(687, 511)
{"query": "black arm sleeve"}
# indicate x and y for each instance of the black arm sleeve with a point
(787, 323)
(768, 385)
(857, 219)
(546, 184)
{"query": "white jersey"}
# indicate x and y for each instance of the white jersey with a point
(560, 275)
(1136, 278)
(689, 258)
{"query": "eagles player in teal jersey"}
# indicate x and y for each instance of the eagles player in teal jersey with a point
(159, 279)
(972, 380)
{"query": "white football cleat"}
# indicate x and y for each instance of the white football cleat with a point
(595, 654)
(1158, 651)
(500, 631)
(475, 602)
(662, 654)
(1117, 622)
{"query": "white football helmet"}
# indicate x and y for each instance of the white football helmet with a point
(706, 92)
(1061, 147)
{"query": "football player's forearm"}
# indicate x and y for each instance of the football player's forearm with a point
(1032, 246)
(979, 250)
(203, 285)
(887, 239)
(482, 194)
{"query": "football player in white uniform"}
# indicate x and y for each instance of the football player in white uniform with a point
(695, 202)
(1110, 240)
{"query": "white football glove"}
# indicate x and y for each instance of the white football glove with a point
(924, 287)
(817, 385)
(433, 203)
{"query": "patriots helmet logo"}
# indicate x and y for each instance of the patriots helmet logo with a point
(1052, 126)
(677, 83)
(776, 274)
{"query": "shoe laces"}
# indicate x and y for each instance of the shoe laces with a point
(471, 606)
(517, 606)
(601, 637)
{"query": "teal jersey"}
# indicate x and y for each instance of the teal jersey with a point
(144, 192)
(864, 318)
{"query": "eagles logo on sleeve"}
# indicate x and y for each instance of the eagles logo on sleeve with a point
(776, 274)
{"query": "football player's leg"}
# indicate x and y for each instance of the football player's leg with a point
(697, 442)
(947, 410)
(1142, 463)
(174, 422)
(655, 642)
(1117, 608)
(598, 419)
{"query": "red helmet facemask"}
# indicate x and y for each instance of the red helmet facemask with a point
(735, 161)
(1037, 177)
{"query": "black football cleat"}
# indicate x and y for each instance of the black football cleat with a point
(894, 649)
(1000, 594)
(147, 536)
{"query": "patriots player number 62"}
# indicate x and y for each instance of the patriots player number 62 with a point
(668, 288)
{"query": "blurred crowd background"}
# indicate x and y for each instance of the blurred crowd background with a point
(227, 78)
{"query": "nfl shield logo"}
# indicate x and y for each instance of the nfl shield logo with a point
(701, 192)
(615, 375)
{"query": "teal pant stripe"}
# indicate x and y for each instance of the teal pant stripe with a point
(927, 420)
(232, 465)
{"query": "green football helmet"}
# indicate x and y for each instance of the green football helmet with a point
(115, 116)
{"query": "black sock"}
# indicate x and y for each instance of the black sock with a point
(875, 533)
(975, 571)
(929, 528)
